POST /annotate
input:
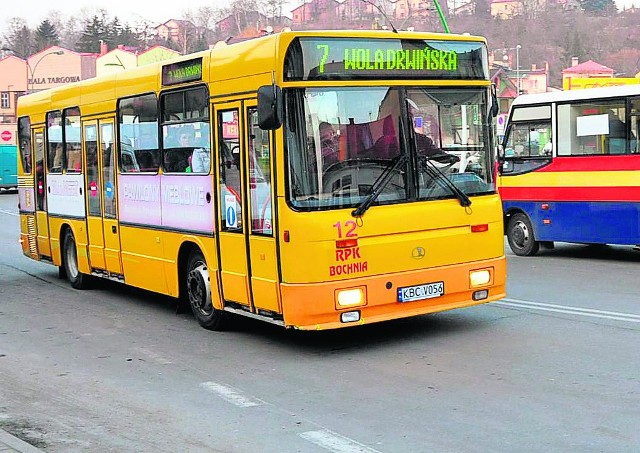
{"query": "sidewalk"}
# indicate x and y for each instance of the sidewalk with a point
(11, 444)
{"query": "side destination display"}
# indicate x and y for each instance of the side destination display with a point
(182, 71)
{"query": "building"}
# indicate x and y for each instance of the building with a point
(415, 9)
(155, 54)
(588, 69)
(315, 11)
(116, 60)
(241, 23)
(122, 58)
(465, 9)
(506, 9)
(174, 29)
(49, 68)
(506, 89)
(534, 79)
(13, 83)
(356, 11)
(56, 66)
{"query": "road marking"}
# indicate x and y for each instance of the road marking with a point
(602, 314)
(335, 442)
(8, 212)
(231, 395)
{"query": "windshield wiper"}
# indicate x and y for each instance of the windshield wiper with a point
(378, 186)
(434, 170)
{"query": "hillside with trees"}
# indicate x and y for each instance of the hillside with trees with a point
(548, 32)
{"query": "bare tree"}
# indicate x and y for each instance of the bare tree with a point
(20, 38)
(273, 8)
(245, 13)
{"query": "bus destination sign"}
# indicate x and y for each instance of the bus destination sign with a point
(337, 59)
(182, 71)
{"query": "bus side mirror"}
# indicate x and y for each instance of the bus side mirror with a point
(270, 109)
(495, 107)
(500, 160)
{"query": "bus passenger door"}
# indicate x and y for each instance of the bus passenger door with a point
(263, 264)
(94, 196)
(231, 224)
(42, 221)
(107, 168)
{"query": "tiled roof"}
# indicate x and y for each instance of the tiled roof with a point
(589, 66)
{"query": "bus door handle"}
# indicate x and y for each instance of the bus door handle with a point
(113, 229)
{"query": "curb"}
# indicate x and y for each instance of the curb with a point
(16, 444)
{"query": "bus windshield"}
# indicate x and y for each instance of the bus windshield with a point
(341, 141)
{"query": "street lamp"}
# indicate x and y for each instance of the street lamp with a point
(508, 60)
(518, 47)
(32, 71)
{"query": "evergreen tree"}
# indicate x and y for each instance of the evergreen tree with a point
(128, 37)
(45, 36)
(95, 31)
(114, 32)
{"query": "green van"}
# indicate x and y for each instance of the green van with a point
(8, 167)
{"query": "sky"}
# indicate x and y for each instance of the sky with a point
(130, 11)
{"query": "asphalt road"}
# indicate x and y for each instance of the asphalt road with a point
(553, 368)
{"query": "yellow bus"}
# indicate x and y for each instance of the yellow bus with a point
(313, 180)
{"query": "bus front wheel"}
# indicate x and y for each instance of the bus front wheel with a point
(520, 235)
(198, 292)
(77, 279)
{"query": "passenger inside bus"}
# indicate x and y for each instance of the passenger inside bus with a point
(200, 160)
(145, 161)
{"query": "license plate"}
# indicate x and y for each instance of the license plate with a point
(420, 292)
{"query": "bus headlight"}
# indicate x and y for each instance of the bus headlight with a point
(480, 277)
(351, 297)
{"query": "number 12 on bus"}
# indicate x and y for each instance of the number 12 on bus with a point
(280, 178)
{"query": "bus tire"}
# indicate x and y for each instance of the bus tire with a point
(521, 236)
(77, 279)
(198, 293)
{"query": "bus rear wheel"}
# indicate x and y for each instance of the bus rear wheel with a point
(198, 293)
(77, 279)
(520, 235)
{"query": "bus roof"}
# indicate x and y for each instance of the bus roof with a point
(263, 53)
(573, 95)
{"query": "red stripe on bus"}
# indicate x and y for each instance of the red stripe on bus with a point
(570, 193)
(593, 163)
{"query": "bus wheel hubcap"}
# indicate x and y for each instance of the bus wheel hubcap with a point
(520, 234)
(198, 286)
(72, 264)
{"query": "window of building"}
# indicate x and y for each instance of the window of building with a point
(5, 102)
